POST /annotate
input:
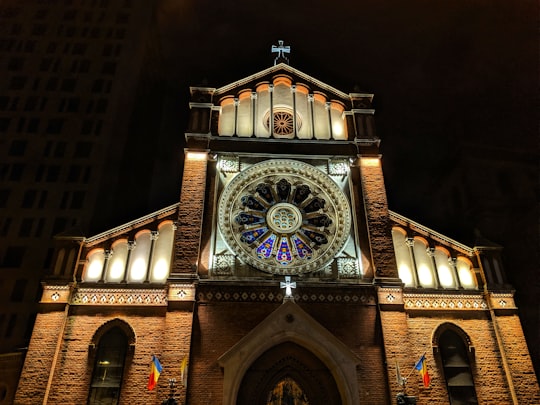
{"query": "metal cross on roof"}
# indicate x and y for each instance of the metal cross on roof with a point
(288, 287)
(281, 50)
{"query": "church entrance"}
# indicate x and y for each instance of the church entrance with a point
(288, 374)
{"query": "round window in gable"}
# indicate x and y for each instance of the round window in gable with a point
(283, 122)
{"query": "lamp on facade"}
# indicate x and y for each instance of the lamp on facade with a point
(172, 390)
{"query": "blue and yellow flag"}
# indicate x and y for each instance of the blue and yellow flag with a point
(155, 371)
(421, 367)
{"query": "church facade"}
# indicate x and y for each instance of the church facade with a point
(280, 277)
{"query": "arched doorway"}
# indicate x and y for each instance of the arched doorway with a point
(288, 374)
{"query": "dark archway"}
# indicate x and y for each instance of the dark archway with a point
(288, 363)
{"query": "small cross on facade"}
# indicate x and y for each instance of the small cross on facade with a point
(288, 287)
(281, 50)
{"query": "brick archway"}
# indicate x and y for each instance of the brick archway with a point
(292, 361)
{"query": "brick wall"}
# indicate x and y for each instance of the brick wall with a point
(408, 337)
(519, 360)
(190, 214)
(164, 336)
(378, 222)
(218, 327)
(39, 359)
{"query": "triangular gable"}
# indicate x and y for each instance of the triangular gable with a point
(430, 234)
(281, 68)
(290, 323)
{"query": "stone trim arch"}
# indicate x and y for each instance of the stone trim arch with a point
(437, 333)
(289, 323)
(107, 326)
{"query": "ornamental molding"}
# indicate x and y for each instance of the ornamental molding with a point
(444, 302)
(55, 294)
(502, 301)
(307, 295)
(181, 292)
(284, 217)
(117, 297)
(139, 222)
(392, 296)
(430, 233)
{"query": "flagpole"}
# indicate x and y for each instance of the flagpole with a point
(414, 367)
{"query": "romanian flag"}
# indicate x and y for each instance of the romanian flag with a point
(421, 367)
(155, 371)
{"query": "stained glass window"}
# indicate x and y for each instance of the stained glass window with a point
(284, 216)
(287, 392)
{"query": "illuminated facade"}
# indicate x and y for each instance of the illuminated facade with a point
(281, 276)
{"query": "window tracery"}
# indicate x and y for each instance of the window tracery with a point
(284, 217)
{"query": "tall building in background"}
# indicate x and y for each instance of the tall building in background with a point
(68, 70)
(281, 276)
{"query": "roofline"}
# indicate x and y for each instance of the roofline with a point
(276, 68)
(132, 224)
(430, 233)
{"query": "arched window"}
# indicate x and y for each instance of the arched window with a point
(424, 264)
(139, 257)
(466, 273)
(94, 265)
(117, 263)
(457, 369)
(403, 256)
(59, 262)
(444, 268)
(108, 368)
(161, 260)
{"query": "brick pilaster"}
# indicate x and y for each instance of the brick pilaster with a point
(378, 221)
(39, 360)
(190, 213)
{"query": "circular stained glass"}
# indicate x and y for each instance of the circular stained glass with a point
(284, 217)
(283, 122)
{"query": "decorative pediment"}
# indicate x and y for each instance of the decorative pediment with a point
(281, 102)
(277, 70)
(290, 323)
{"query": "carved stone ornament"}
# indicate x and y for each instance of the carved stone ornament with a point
(284, 217)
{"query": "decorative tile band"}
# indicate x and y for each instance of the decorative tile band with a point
(94, 296)
(55, 294)
(444, 302)
(502, 301)
(181, 292)
(319, 296)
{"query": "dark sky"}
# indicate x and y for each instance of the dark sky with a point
(444, 74)
(456, 99)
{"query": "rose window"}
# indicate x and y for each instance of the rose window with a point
(283, 121)
(284, 217)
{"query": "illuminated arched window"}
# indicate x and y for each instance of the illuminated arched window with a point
(138, 262)
(456, 366)
(161, 259)
(94, 265)
(108, 368)
(117, 262)
(444, 268)
(424, 263)
(403, 256)
(466, 274)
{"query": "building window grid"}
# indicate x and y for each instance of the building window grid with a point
(25, 228)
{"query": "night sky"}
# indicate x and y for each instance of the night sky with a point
(456, 99)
